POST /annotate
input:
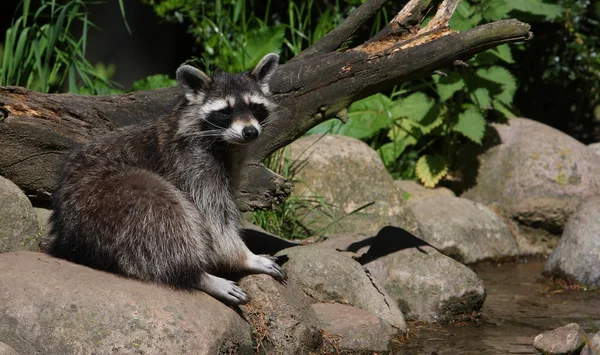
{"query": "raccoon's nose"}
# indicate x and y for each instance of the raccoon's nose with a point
(249, 133)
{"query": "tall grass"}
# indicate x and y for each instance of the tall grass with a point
(42, 53)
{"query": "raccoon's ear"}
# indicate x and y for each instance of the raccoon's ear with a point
(264, 71)
(193, 82)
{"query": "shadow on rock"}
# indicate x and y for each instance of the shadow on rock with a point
(389, 240)
(261, 242)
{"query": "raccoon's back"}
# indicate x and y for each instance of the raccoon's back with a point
(112, 214)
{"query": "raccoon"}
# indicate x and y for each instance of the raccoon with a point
(155, 201)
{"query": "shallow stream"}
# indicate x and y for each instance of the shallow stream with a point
(519, 305)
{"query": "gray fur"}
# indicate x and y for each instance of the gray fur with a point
(156, 202)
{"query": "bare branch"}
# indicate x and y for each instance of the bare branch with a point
(405, 23)
(442, 16)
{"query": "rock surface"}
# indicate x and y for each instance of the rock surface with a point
(348, 174)
(534, 241)
(7, 350)
(595, 147)
(353, 329)
(535, 174)
(577, 254)
(51, 306)
(351, 245)
(43, 217)
(19, 226)
(426, 284)
(417, 191)
(464, 230)
(281, 315)
(592, 346)
(326, 275)
(567, 340)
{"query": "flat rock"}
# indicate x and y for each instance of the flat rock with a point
(415, 191)
(535, 174)
(326, 275)
(592, 346)
(281, 315)
(353, 329)
(567, 340)
(351, 245)
(347, 174)
(426, 284)
(52, 306)
(19, 226)
(465, 230)
(577, 254)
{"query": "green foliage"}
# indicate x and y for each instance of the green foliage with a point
(235, 34)
(431, 169)
(153, 82)
(42, 53)
(418, 128)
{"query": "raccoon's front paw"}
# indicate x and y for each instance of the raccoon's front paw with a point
(223, 289)
(267, 264)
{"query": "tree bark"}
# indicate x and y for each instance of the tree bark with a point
(320, 83)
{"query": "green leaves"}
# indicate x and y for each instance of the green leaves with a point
(507, 82)
(431, 169)
(446, 86)
(260, 42)
(471, 124)
(42, 53)
(153, 82)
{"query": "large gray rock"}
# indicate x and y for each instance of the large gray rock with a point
(595, 147)
(353, 329)
(415, 191)
(281, 315)
(349, 244)
(7, 350)
(18, 223)
(462, 229)
(577, 254)
(567, 340)
(425, 284)
(592, 346)
(52, 306)
(348, 174)
(326, 275)
(535, 174)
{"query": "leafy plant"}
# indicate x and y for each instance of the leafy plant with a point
(153, 82)
(42, 53)
(418, 127)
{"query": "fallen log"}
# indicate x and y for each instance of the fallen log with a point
(320, 83)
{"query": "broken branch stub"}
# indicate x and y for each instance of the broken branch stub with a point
(317, 85)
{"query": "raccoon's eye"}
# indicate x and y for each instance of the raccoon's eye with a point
(224, 112)
(259, 111)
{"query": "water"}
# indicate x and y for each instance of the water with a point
(519, 305)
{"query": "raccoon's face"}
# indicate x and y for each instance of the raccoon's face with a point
(230, 107)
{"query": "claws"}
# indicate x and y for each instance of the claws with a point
(274, 269)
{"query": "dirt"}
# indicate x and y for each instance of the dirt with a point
(520, 304)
